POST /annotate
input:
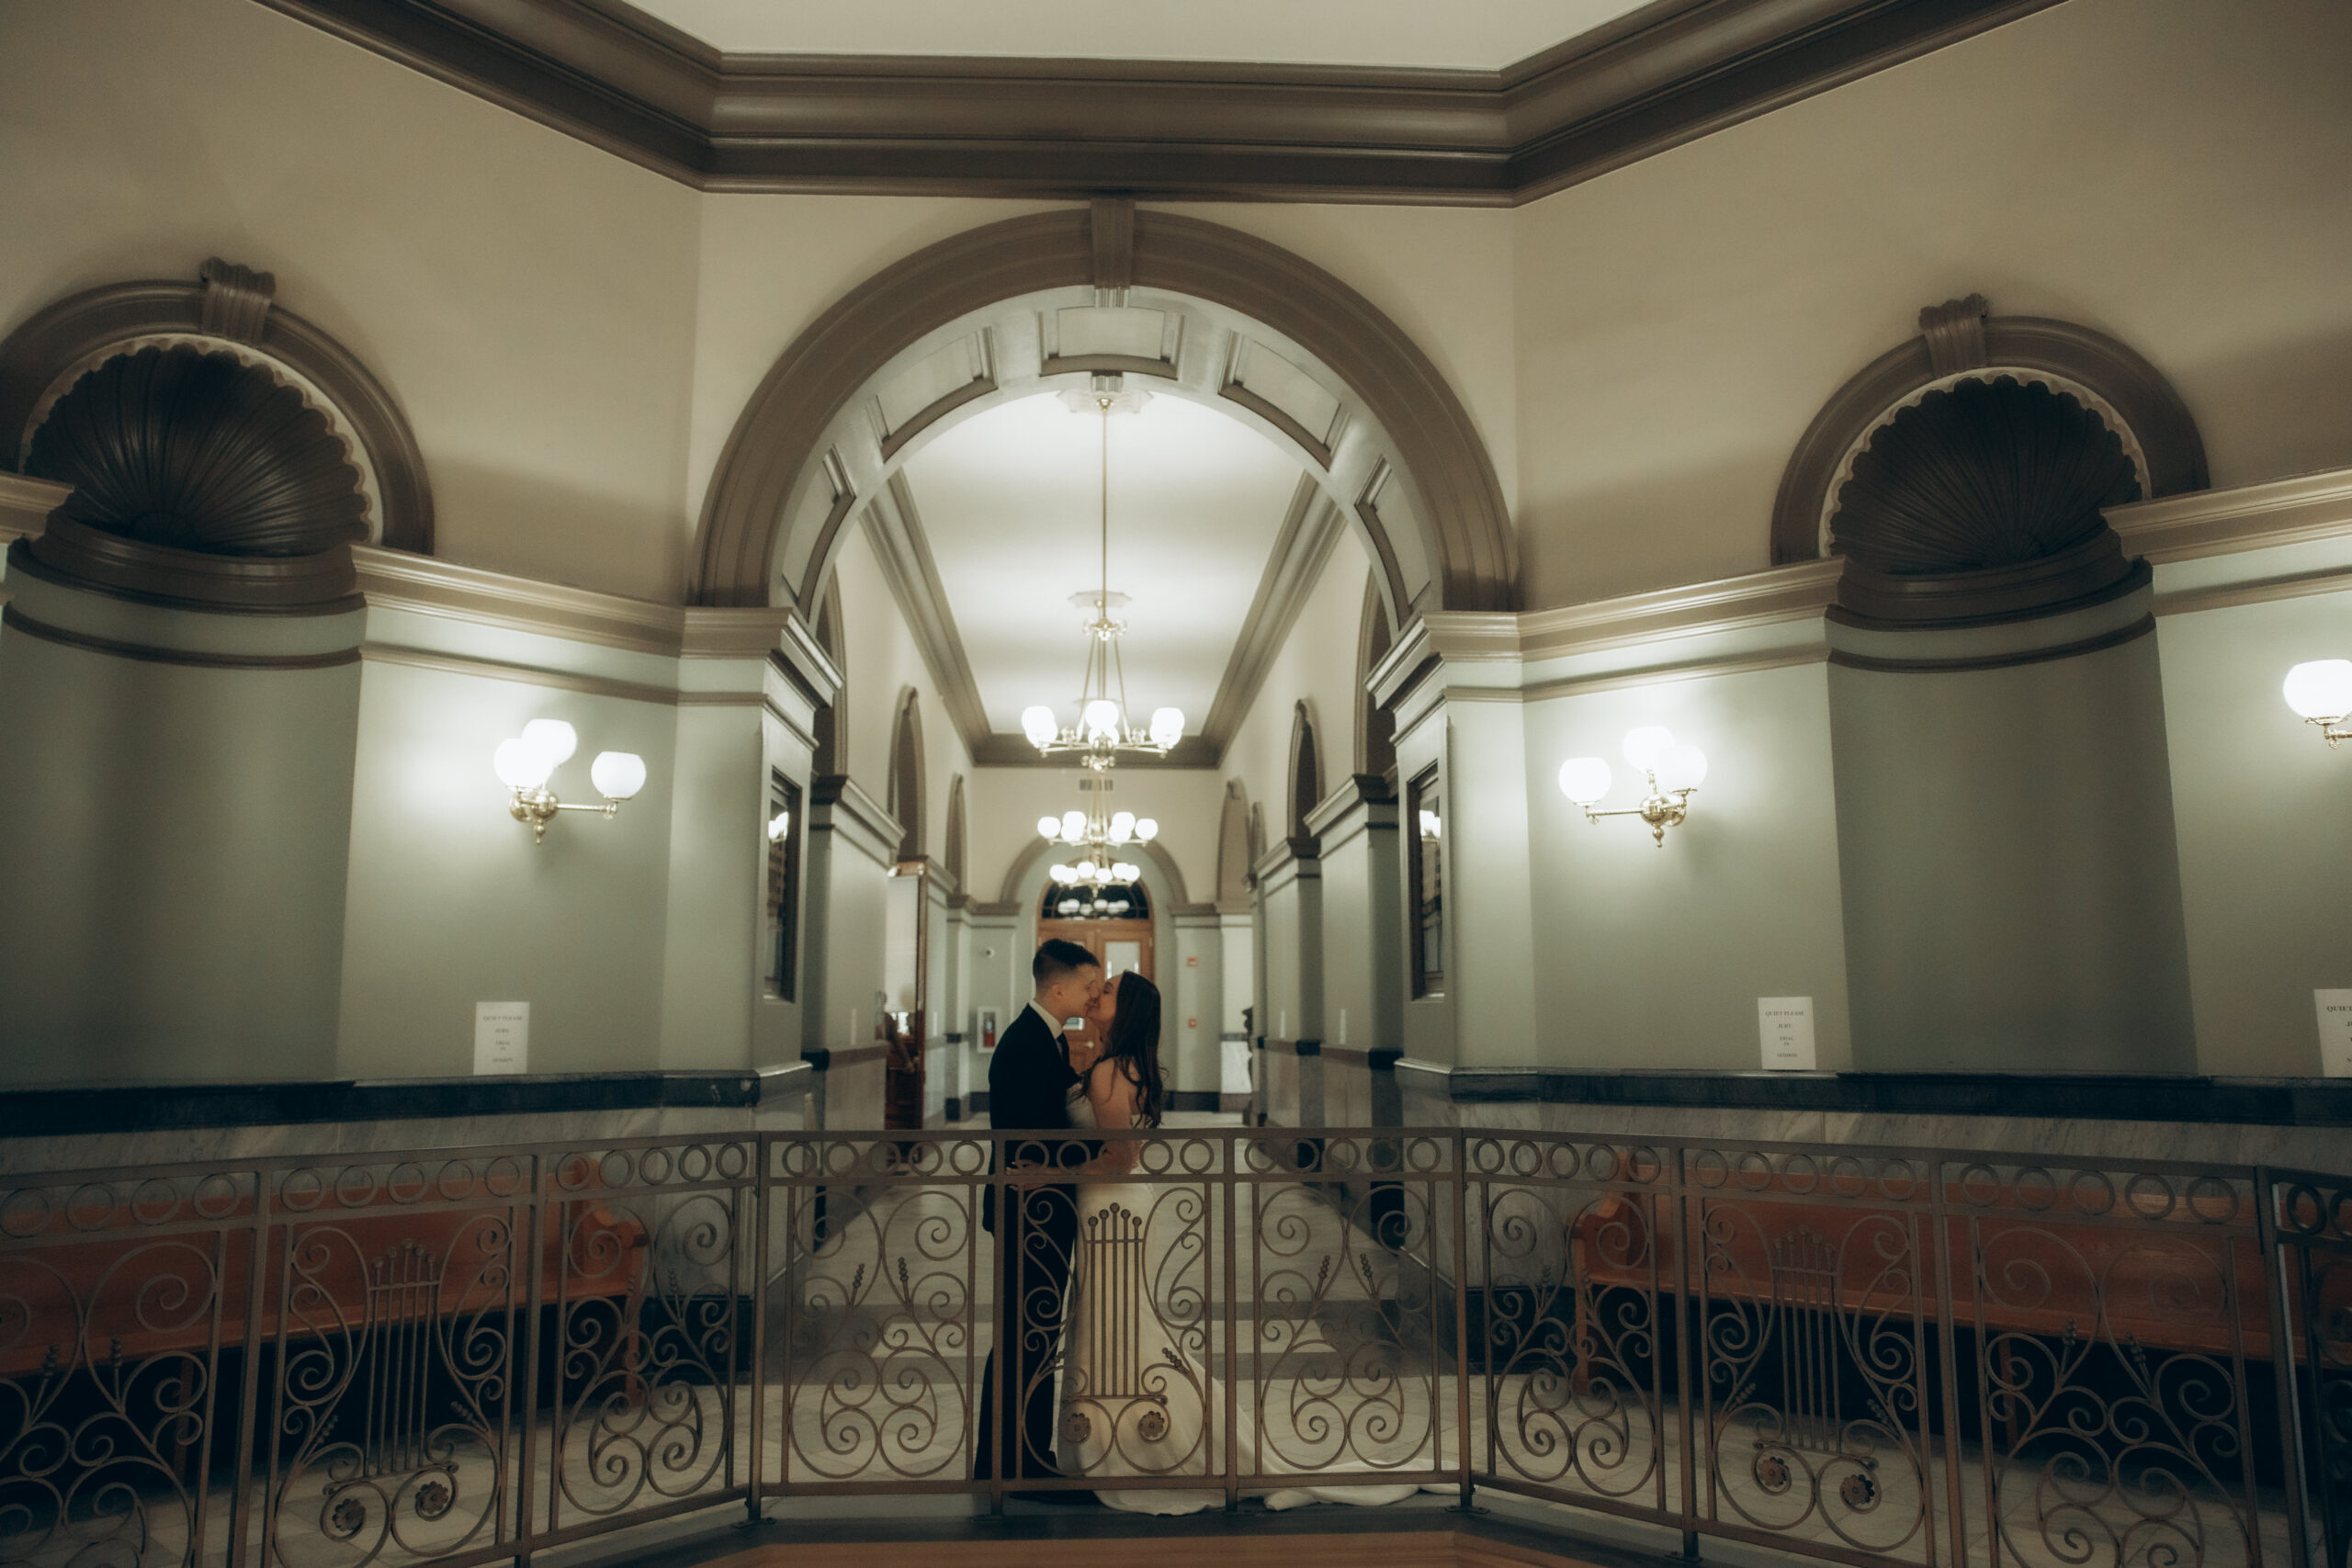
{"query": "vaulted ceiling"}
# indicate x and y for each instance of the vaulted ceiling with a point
(1482, 35)
(1009, 504)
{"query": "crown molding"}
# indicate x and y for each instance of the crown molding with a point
(26, 504)
(836, 804)
(2302, 509)
(428, 585)
(1661, 76)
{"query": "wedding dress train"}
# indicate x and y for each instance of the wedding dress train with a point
(1137, 1383)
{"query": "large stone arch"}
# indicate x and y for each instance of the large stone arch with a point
(986, 316)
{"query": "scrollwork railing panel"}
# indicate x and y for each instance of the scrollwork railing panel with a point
(1876, 1356)
(1565, 1325)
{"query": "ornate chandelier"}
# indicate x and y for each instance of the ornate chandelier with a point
(1099, 837)
(1102, 731)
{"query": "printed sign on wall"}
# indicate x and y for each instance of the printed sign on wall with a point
(2335, 1033)
(502, 1037)
(1785, 1025)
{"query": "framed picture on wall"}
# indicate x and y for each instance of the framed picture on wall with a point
(988, 1028)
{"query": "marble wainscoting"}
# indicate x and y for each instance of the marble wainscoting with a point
(1304, 1083)
(94, 1129)
(2304, 1123)
(849, 1088)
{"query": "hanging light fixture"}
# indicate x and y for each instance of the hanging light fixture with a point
(1102, 731)
(1098, 835)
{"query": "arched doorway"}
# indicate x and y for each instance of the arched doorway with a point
(1149, 922)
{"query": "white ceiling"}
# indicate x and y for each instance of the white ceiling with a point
(1010, 503)
(1468, 34)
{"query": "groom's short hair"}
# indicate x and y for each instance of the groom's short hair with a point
(1057, 958)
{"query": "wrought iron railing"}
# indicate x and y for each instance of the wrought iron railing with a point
(1869, 1356)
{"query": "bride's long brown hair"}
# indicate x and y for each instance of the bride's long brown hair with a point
(1133, 1040)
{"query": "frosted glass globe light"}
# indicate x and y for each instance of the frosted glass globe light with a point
(2321, 689)
(1584, 779)
(554, 737)
(1167, 726)
(1101, 719)
(521, 764)
(1125, 871)
(1061, 872)
(618, 776)
(1038, 724)
(1647, 746)
(1147, 829)
(1073, 826)
(1086, 868)
(1049, 828)
(1122, 826)
(1685, 767)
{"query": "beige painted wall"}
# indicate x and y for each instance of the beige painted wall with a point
(2012, 893)
(171, 876)
(528, 300)
(1003, 805)
(1647, 956)
(2264, 831)
(451, 903)
(2167, 171)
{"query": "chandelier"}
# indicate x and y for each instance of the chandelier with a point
(1102, 731)
(1099, 839)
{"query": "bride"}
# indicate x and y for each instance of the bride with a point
(1136, 1378)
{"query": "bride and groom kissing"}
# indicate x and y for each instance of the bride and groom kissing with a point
(1039, 1085)
(1095, 1316)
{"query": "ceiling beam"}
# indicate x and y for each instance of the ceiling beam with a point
(1309, 529)
(1660, 76)
(895, 529)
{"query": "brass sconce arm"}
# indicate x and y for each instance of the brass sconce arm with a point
(2338, 729)
(538, 808)
(1661, 808)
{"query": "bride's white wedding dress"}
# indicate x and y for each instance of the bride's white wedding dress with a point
(1134, 1384)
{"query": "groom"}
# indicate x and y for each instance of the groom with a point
(1029, 1084)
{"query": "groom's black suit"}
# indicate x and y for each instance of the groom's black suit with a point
(1029, 1085)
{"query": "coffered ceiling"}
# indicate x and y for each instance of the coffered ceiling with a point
(1480, 35)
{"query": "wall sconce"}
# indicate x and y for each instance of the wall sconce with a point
(778, 826)
(526, 762)
(2321, 692)
(1674, 771)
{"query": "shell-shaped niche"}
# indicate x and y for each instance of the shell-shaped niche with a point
(1980, 476)
(197, 450)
